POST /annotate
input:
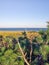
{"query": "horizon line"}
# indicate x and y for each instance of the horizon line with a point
(23, 27)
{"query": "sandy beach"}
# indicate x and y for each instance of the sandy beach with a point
(18, 33)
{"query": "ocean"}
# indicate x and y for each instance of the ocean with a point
(22, 29)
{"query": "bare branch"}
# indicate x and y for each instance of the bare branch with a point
(23, 54)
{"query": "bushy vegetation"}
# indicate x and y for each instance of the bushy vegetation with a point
(9, 52)
(27, 49)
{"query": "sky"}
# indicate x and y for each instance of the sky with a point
(24, 13)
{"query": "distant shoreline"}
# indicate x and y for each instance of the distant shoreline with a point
(22, 29)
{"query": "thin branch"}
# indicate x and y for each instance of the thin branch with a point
(23, 54)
